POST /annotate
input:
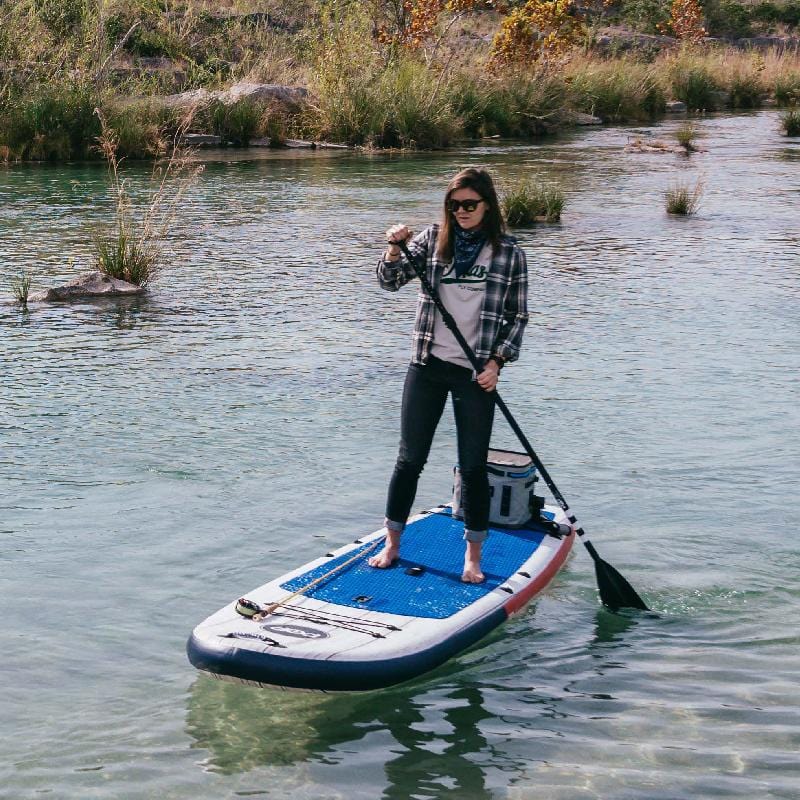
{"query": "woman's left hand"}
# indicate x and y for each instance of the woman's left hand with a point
(487, 379)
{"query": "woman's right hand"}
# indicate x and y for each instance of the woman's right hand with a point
(397, 233)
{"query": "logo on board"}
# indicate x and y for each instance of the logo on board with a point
(296, 631)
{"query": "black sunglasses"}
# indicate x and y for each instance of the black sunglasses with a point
(468, 205)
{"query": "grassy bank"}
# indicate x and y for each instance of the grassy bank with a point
(61, 59)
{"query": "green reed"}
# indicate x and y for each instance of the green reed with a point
(20, 286)
(683, 199)
(132, 245)
(790, 121)
(529, 200)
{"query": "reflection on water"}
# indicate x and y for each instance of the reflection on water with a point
(610, 626)
(443, 735)
(244, 729)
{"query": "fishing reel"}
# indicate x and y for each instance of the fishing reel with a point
(247, 608)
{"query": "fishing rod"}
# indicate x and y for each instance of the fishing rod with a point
(615, 591)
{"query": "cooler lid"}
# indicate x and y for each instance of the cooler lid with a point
(509, 458)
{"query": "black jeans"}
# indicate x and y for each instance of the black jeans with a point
(424, 396)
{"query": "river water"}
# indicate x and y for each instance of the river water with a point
(162, 456)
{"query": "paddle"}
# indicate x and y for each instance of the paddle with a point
(615, 591)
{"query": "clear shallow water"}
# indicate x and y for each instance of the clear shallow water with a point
(161, 456)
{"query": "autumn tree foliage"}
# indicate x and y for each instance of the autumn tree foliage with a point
(412, 23)
(686, 21)
(538, 30)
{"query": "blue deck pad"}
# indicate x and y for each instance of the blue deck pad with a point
(435, 543)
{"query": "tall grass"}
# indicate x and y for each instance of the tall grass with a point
(516, 105)
(141, 130)
(363, 100)
(683, 199)
(787, 88)
(236, 123)
(54, 54)
(529, 200)
(21, 288)
(790, 120)
(132, 246)
(692, 79)
(618, 90)
(49, 122)
(686, 135)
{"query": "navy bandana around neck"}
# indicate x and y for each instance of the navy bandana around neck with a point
(467, 246)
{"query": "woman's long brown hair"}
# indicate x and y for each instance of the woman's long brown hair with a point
(480, 181)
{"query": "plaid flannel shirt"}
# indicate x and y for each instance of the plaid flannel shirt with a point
(505, 305)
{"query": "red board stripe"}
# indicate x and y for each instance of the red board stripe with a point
(516, 602)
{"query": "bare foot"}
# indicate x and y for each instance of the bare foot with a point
(390, 552)
(472, 564)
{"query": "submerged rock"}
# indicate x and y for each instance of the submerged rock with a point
(91, 284)
(640, 145)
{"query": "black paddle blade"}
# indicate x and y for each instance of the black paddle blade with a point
(615, 591)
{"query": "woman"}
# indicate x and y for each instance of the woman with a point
(481, 276)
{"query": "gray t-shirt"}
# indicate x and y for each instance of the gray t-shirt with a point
(463, 298)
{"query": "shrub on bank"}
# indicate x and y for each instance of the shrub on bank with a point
(787, 88)
(619, 90)
(745, 89)
(49, 122)
(692, 80)
(365, 91)
(523, 105)
(236, 123)
(365, 101)
(648, 16)
(728, 18)
(141, 129)
(772, 13)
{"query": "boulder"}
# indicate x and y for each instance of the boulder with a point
(778, 43)
(623, 40)
(195, 97)
(298, 144)
(91, 284)
(675, 107)
(585, 119)
(256, 92)
(201, 140)
(263, 93)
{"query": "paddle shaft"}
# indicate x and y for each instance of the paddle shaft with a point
(615, 591)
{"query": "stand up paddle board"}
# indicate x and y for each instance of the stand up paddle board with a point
(337, 624)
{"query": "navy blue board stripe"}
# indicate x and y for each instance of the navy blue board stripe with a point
(331, 675)
(436, 544)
